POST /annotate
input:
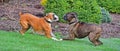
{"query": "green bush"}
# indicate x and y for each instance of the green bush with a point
(106, 18)
(87, 10)
(110, 5)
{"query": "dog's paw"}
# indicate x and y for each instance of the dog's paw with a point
(61, 39)
(56, 39)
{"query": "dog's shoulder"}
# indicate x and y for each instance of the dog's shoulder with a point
(81, 23)
(84, 24)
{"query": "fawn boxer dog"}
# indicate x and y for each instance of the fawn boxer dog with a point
(79, 29)
(40, 25)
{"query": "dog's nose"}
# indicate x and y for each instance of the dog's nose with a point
(55, 18)
(64, 17)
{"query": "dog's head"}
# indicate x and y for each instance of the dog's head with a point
(52, 17)
(69, 16)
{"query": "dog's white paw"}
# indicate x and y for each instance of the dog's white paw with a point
(56, 39)
(61, 39)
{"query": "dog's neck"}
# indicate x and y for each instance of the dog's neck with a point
(47, 20)
(74, 20)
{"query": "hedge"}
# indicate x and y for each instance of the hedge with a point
(87, 10)
(110, 5)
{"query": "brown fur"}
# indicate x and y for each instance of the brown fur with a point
(39, 25)
(80, 29)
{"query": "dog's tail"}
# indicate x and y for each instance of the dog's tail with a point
(20, 13)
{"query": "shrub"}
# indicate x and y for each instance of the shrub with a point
(106, 18)
(110, 5)
(87, 10)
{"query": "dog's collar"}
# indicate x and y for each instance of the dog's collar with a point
(73, 22)
(47, 21)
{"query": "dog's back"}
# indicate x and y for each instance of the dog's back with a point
(27, 17)
(84, 29)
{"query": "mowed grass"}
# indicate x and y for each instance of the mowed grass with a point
(13, 41)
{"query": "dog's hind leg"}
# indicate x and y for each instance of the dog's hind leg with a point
(94, 38)
(25, 27)
(97, 38)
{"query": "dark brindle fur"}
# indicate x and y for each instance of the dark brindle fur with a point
(79, 29)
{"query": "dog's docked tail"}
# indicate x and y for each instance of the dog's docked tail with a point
(20, 13)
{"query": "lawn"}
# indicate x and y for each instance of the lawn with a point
(13, 41)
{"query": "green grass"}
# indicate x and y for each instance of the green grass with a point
(13, 41)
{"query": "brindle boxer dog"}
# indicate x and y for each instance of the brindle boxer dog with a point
(40, 25)
(79, 29)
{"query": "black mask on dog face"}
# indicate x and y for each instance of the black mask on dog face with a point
(69, 16)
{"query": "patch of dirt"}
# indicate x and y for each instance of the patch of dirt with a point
(9, 18)
(112, 29)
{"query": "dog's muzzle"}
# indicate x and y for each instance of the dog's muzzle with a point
(55, 17)
(65, 17)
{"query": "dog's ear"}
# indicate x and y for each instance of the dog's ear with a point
(46, 14)
(74, 14)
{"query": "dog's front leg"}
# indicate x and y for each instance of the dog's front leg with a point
(54, 37)
(70, 36)
(47, 33)
(52, 34)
